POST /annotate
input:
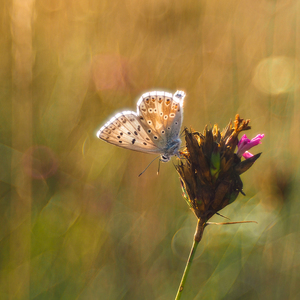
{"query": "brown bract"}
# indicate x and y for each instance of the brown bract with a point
(210, 170)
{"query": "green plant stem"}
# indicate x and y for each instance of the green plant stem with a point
(197, 238)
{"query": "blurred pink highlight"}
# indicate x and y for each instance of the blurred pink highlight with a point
(111, 72)
(39, 162)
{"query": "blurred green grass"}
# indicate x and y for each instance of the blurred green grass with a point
(75, 220)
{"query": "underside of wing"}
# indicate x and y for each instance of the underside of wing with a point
(126, 131)
(160, 114)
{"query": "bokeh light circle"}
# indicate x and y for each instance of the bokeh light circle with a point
(182, 243)
(275, 75)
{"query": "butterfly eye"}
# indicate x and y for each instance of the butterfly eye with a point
(155, 137)
(150, 110)
(168, 101)
(172, 115)
(128, 133)
(149, 130)
(165, 117)
(149, 122)
(169, 128)
(176, 123)
(163, 132)
(118, 137)
(141, 118)
(165, 158)
(121, 133)
(145, 143)
(161, 113)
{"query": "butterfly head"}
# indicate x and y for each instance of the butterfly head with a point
(171, 149)
(165, 158)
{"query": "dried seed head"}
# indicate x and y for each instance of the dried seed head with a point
(210, 172)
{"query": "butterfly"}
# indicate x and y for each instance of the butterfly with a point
(154, 128)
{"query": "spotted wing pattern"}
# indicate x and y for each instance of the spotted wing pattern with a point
(156, 123)
(161, 116)
(125, 130)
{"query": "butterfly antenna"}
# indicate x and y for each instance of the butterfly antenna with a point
(158, 166)
(149, 165)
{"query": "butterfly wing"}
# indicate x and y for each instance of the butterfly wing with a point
(161, 116)
(126, 131)
(153, 129)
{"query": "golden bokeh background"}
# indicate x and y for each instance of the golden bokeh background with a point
(76, 222)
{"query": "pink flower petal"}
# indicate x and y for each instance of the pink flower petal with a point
(244, 140)
(247, 155)
(245, 144)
